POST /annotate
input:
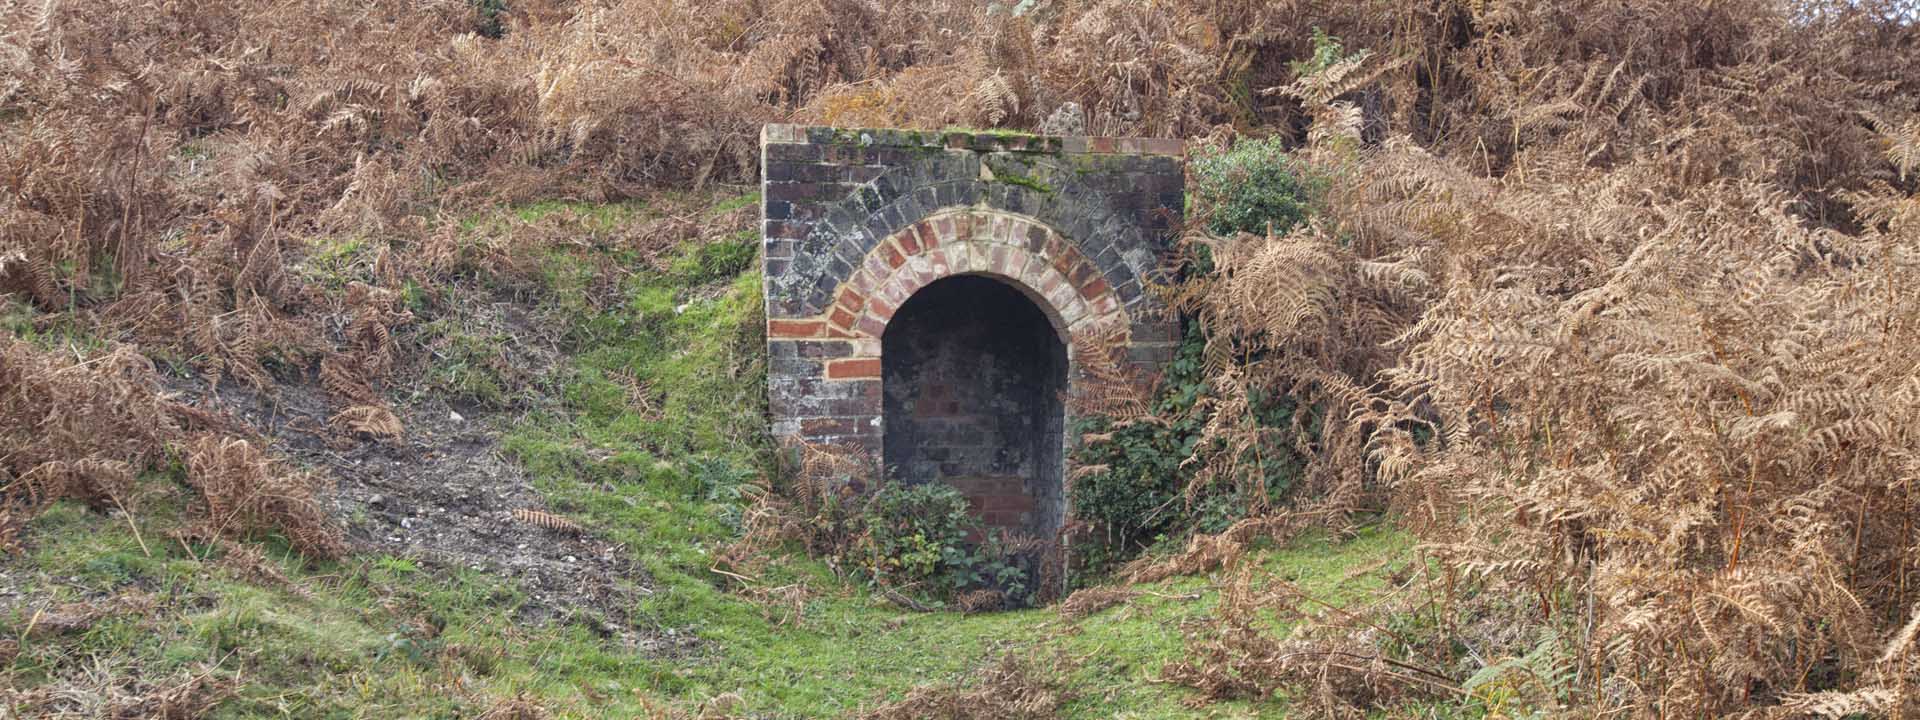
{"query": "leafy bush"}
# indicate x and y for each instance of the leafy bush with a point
(923, 537)
(1141, 488)
(918, 533)
(1255, 183)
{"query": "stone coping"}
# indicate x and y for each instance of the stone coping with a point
(974, 140)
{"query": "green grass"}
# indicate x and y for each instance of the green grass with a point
(57, 333)
(658, 421)
(336, 261)
(321, 651)
(352, 640)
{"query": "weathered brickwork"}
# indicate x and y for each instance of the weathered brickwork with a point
(859, 221)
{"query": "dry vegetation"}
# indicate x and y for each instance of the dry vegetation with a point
(1649, 371)
(85, 431)
(1613, 301)
(1014, 688)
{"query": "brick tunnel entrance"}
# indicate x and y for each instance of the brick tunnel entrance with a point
(972, 377)
(931, 299)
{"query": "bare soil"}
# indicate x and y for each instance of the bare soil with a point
(444, 496)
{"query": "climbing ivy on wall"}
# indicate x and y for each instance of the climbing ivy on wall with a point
(1130, 470)
(1136, 487)
(1137, 481)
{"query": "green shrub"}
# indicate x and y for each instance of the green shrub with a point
(923, 537)
(489, 20)
(1253, 184)
(1134, 499)
(1142, 496)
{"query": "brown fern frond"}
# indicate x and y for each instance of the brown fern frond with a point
(247, 492)
(1105, 383)
(550, 521)
(373, 420)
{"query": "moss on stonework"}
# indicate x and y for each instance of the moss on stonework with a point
(843, 136)
(997, 139)
(992, 132)
(925, 145)
(1024, 181)
(969, 139)
(1004, 173)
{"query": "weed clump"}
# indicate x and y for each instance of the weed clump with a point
(926, 537)
(905, 540)
(1014, 687)
(1253, 187)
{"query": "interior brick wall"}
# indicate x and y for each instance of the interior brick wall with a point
(972, 376)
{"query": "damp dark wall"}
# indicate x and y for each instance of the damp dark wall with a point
(972, 375)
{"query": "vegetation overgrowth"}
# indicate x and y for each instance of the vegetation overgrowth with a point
(1610, 303)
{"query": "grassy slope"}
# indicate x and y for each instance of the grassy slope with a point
(380, 637)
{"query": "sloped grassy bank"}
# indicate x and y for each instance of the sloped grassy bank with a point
(648, 432)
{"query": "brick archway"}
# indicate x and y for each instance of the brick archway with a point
(965, 241)
(859, 221)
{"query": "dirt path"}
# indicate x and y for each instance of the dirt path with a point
(445, 496)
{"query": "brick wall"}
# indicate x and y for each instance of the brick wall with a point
(857, 222)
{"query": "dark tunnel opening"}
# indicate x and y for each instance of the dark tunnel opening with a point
(973, 375)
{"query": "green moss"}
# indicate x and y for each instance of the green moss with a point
(1024, 181)
(987, 132)
(1009, 172)
(999, 140)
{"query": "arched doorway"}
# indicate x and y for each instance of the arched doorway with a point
(972, 376)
